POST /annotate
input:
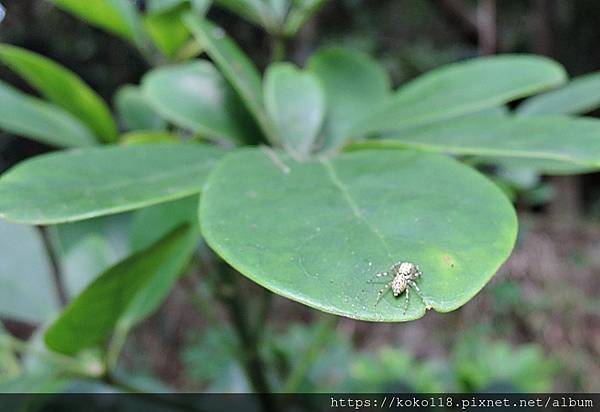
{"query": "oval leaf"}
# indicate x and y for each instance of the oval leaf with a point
(237, 68)
(296, 104)
(135, 111)
(548, 144)
(581, 95)
(196, 96)
(63, 88)
(317, 232)
(81, 184)
(92, 316)
(36, 119)
(461, 88)
(353, 83)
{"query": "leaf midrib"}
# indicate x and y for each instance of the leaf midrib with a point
(337, 182)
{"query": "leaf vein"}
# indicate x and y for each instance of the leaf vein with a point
(337, 182)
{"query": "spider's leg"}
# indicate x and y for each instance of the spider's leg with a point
(382, 292)
(417, 290)
(406, 301)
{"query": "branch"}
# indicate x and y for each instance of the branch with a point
(54, 264)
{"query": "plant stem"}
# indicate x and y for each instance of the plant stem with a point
(55, 265)
(222, 281)
(116, 345)
(324, 327)
(249, 352)
(200, 295)
(278, 51)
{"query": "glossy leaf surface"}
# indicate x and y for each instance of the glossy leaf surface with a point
(81, 184)
(548, 144)
(462, 88)
(354, 84)
(296, 103)
(196, 96)
(317, 232)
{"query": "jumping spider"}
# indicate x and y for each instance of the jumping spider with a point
(404, 276)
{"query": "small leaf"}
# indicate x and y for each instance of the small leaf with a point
(196, 96)
(237, 68)
(548, 144)
(167, 30)
(27, 292)
(353, 83)
(36, 119)
(296, 104)
(116, 16)
(581, 95)
(135, 111)
(63, 88)
(91, 317)
(82, 184)
(461, 88)
(362, 213)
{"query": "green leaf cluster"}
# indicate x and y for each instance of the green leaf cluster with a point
(307, 180)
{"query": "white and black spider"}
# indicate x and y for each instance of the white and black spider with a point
(404, 278)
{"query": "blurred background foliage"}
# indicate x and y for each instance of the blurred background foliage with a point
(539, 316)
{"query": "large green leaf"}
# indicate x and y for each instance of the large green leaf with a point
(316, 232)
(62, 87)
(581, 95)
(36, 119)
(135, 110)
(81, 184)
(461, 88)
(237, 68)
(27, 292)
(196, 96)
(91, 317)
(296, 104)
(549, 144)
(354, 84)
(116, 16)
